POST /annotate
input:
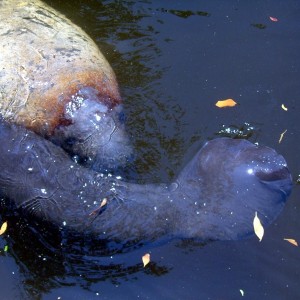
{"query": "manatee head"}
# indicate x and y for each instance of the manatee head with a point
(230, 181)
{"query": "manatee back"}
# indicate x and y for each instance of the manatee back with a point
(55, 82)
(45, 60)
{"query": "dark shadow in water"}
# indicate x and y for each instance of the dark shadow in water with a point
(48, 260)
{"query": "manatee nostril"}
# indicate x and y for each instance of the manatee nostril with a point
(279, 174)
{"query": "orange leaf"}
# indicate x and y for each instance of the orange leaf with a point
(273, 19)
(146, 259)
(292, 241)
(226, 103)
(3, 228)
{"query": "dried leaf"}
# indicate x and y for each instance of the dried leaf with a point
(273, 19)
(146, 259)
(242, 293)
(284, 107)
(281, 136)
(104, 201)
(258, 228)
(292, 241)
(3, 228)
(226, 103)
(98, 209)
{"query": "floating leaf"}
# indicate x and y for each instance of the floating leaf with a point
(146, 259)
(258, 228)
(292, 241)
(98, 209)
(5, 248)
(284, 107)
(273, 19)
(3, 228)
(226, 103)
(242, 292)
(104, 201)
(281, 136)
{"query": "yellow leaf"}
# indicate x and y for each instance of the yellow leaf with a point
(284, 107)
(3, 228)
(281, 136)
(98, 209)
(146, 259)
(226, 103)
(292, 241)
(258, 228)
(104, 201)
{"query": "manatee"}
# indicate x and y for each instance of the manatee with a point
(55, 81)
(215, 196)
(58, 95)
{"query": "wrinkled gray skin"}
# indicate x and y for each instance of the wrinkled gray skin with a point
(215, 197)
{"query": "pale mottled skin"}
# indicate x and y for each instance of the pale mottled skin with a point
(50, 69)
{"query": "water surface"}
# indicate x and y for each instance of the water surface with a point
(173, 61)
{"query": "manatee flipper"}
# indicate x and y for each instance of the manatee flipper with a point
(55, 81)
(215, 197)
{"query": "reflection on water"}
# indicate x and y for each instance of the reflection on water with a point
(237, 132)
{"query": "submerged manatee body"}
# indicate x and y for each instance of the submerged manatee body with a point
(55, 81)
(215, 197)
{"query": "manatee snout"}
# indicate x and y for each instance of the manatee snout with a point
(269, 167)
(234, 180)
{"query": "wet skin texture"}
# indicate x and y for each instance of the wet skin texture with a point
(215, 196)
(69, 97)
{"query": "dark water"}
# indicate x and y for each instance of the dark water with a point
(174, 60)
